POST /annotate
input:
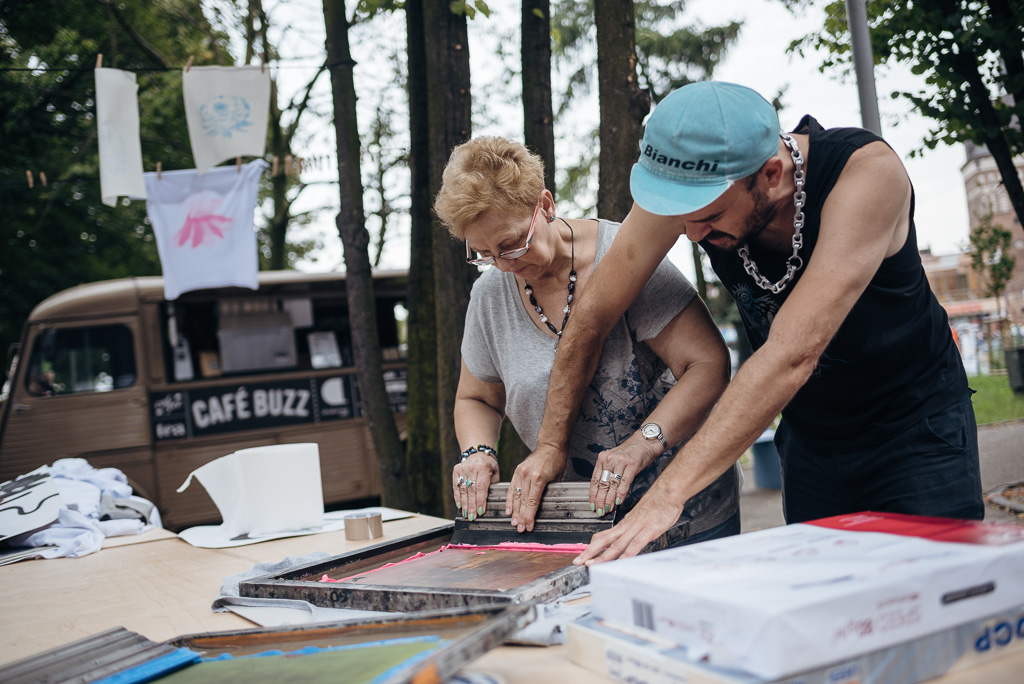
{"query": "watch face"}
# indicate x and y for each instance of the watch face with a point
(651, 430)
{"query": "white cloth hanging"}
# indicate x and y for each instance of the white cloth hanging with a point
(117, 121)
(227, 110)
(204, 226)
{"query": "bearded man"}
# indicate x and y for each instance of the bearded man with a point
(812, 232)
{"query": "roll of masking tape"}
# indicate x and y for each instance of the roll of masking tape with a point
(360, 526)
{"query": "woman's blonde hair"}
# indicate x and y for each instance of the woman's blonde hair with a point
(487, 173)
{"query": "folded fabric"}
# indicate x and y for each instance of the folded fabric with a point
(73, 535)
(133, 508)
(552, 620)
(78, 530)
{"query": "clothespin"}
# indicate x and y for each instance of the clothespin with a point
(42, 178)
(273, 171)
(159, 171)
(238, 164)
(28, 176)
(99, 60)
(288, 165)
(188, 64)
(263, 62)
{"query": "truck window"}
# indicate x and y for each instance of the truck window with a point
(206, 338)
(75, 360)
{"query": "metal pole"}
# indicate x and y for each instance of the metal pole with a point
(864, 63)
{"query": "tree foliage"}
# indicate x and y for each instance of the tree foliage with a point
(969, 55)
(60, 235)
(669, 55)
(991, 256)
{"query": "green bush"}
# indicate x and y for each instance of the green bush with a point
(995, 401)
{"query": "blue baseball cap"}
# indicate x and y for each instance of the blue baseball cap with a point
(698, 140)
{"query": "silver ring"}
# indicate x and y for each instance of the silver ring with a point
(606, 475)
(519, 490)
(469, 483)
(617, 476)
(458, 483)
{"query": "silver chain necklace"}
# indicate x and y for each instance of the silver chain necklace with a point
(794, 263)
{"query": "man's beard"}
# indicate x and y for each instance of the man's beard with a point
(759, 218)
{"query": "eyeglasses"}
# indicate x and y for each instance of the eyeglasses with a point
(512, 254)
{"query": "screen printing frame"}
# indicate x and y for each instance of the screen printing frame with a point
(303, 582)
(484, 627)
(129, 656)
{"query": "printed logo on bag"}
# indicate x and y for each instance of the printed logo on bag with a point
(1001, 633)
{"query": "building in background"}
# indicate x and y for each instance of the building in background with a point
(974, 317)
(961, 293)
(986, 194)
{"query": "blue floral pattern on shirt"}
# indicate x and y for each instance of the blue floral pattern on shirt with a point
(622, 394)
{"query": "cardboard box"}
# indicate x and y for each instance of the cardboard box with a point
(634, 658)
(782, 601)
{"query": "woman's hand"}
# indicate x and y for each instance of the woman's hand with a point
(615, 470)
(471, 479)
(544, 465)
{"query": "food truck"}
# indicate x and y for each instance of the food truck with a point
(114, 373)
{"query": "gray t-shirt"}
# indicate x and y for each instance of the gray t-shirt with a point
(502, 344)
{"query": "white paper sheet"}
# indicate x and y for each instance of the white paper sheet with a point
(217, 537)
(117, 122)
(227, 110)
(265, 490)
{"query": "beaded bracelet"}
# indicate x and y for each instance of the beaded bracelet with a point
(479, 448)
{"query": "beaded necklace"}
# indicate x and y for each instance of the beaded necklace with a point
(572, 287)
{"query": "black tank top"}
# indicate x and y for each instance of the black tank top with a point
(893, 361)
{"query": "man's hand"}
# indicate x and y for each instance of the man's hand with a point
(622, 463)
(544, 465)
(655, 513)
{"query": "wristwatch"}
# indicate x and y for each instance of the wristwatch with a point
(653, 431)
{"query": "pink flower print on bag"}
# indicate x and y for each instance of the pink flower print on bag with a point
(202, 219)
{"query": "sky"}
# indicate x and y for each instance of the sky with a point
(758, 60)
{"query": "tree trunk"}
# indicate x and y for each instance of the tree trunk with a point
(538, 117)
(449, 100)
(355, 239)
(278, 229)
(422, 450)
(511, 450)
(623, 106)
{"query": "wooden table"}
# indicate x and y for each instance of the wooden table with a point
(164, 588)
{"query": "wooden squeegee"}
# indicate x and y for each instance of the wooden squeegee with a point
(564, 517)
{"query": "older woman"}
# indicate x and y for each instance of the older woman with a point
(662, 369)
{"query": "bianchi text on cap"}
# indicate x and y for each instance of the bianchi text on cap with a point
(699, 165)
